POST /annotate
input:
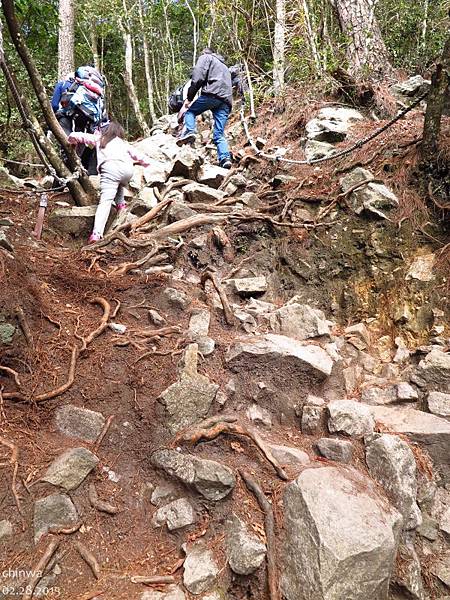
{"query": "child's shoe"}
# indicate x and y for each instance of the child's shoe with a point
(121, 207)
(94, 237)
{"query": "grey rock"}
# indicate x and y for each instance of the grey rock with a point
(433, 372)
(161, 147)
(212, 175)
(429, 528)
(249, 199)
(211, 479)
(432, 432)
(156, 318)
(7, 332)
(162, 493)
(6, 530)
(244, 550)
(315, 149)
(206, 345)
(5, 242)
(286, 455)
(176, 514)
(186, 164)
(157, 172)
(378, 395)
(406, 392)
(71, 468)
(179, 211)
(338, 450)
(439, 404)
(350, 417)
(196, 192)
(444, 521)
(421, 268)
(176, 298)
(75, 220)
(200, 570)
(77, 422)
(199, 323)
(359, 330)
(312, 419)
(341, 539)
(279, 349)
(409, 577)
(299, 321)
(259, 415)
(332, 124)
(55, 511)
(392, 463)
(373, 197)
(413, 86)
(249, 285)
(173, 592)
(9, 181)
(189, 399)
(442, 569)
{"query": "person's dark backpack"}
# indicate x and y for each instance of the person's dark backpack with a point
(176, 100)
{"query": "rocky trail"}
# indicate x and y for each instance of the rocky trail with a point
(243, 391)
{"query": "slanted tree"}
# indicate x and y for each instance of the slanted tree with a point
(439, 91)
(66, 38)
(367, 54)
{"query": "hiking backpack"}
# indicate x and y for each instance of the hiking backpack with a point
(176, 99)
(85, 94)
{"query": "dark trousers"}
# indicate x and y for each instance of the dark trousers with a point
(79, 122)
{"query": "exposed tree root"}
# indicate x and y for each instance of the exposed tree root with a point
(15, 374)
(39, 569)
(100, 505)
(229, 316)
(89, 559)
(65, 530)
(152, 258)
(269, 523)
(153, 579)
(103, 322)
(210, 429)
(103, 432)
(326, 209)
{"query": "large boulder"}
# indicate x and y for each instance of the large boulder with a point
(212, 175)
(410, 88)
(189, 399)
(299, 321)
(244, 550)
(161, 147)
(281, 352)
(315, 149)
(431, 432)
(332, 124)
(73, 220)
(211, 479)
(197, 192)
(350, 417)
(439, 404)
(341, 537)
(433, 371)
(392, 463)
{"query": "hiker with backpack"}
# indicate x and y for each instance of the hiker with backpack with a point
(80, 107)
(115, 159)
(213, 77)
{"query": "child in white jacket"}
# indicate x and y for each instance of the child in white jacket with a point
(115, 158)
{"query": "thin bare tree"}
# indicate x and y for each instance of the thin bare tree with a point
(66, 38)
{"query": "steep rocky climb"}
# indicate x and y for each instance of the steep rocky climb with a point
(243, 391)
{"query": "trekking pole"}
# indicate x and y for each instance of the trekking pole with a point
(43, 202)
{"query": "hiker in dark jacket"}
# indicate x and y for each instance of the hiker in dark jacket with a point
(213, 77)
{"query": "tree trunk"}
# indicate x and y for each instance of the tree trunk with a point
(278, 47)
(66, 39)
(435, 105)
(311, 37)
(41, 94)
(366, 52)
(148, 76)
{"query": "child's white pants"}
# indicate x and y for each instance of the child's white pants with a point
(114, 177)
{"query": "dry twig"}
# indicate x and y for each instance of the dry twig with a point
(103, 432)
(152, 579)
(89, 559)
(24, 326)
(229, 316)
(15, 374)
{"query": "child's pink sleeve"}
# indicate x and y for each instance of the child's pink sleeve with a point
(139, 157)
(79, 137)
